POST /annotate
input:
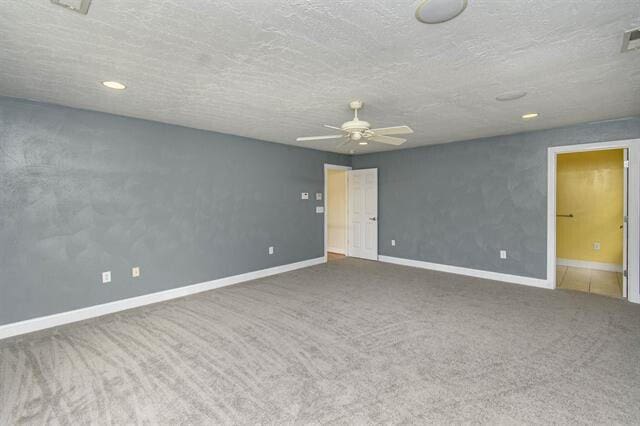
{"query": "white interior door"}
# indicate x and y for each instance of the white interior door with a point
(625, 225)
(363, 213)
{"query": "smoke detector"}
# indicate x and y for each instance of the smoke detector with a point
(631, 40)
(80, 6)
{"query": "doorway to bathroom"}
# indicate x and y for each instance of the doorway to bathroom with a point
(591, 215)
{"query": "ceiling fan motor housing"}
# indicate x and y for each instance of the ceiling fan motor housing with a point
(356, 126)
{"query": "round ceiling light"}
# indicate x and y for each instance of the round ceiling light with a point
(511, 96)
(438, 11)
(114, 85)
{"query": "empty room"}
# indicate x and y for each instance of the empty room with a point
(319, 212)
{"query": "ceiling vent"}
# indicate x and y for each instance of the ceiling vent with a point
(80, 6)
(631, 40)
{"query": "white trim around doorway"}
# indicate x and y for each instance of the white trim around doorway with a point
(633, 267)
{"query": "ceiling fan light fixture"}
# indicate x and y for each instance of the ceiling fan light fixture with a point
(439, 11)
(357, 130)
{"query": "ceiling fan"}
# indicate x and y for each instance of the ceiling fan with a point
(360, 131)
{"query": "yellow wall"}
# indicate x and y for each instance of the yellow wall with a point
(337, 211)
(590, 185)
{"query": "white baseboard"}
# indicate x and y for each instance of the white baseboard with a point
(600, 266)
(336, 250)
(41, 323)
(496, 276)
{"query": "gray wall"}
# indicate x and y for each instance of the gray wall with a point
(84, 192)
(460, 203)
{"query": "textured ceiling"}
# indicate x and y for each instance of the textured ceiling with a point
(279, 69)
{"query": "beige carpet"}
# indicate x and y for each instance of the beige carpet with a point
(350, 342)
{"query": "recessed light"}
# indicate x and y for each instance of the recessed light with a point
(363, 143)
(114, 85)
(530, 116)
(511, 96)
(438, 11)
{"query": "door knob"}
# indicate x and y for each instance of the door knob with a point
(372, 218)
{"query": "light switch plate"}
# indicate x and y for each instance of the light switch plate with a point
(106, 277)
(393, 243)
(319, 209)
(135, 271)
(304, 196)
(318, 196)
(271, 249)
(503, 254)
(596, 245)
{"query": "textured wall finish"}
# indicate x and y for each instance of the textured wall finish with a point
(461, 203)
(590, 185)
(84, 192)
(289, 66)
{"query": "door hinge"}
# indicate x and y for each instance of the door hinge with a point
(625, 274)
(626, 164)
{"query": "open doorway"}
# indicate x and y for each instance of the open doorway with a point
(336, 210)
(591, 231)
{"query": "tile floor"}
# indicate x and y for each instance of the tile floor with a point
(334, 256)
(604, 283)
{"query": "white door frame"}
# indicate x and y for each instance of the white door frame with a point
(328, 167)
(625, 225)
(633, 238)
(362, 177)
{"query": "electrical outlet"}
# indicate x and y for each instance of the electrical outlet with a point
(319, 209)
(393, 243)
(596, 245)
(503, 254)
(271, 250)
(106, 277)
(135, 271)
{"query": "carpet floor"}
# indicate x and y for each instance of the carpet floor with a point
(349, 342)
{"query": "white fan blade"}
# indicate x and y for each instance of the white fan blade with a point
(388, 140)
(333, 127)
(398, 130)
(319, 138)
